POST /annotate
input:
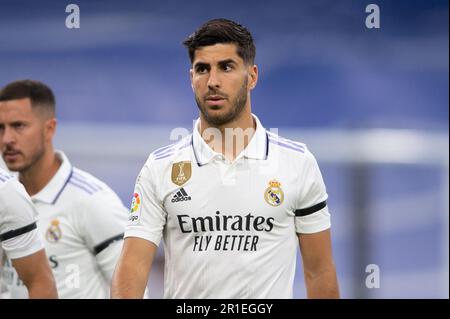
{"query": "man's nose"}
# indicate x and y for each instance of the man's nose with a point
(7, 137)
(213, 80)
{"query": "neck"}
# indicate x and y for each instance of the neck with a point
(234, 135)
(40, 173)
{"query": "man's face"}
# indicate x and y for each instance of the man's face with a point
(22, 134)
(221, 82)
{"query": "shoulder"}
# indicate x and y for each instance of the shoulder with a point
(172, 150)
(163, 157)
(5, 177)
(10, 187)
(290, 151)
(86, 189)
(16, 207)
(287, 146)
(87, 193)
(84, 184)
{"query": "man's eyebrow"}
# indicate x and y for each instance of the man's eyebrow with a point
(227, 61)
(222, 62)
(200, 63)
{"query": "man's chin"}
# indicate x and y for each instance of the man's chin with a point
(14, 166)
(218, 116)
(219, 120)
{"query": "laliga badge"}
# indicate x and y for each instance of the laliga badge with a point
(135, 208)
(53, 233)
(273, 194)
(181, 172)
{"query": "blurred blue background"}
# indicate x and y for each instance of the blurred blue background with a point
(122, 83)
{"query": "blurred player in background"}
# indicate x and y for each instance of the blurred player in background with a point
(231, 223)
(79, 217)
(20, 240)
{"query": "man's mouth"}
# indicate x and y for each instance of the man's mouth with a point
(213, 100)
(10, 155)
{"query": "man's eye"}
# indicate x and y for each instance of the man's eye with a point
(227, 67)
(201, 69)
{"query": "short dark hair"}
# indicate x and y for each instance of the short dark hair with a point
(222, 31)
(39, 94)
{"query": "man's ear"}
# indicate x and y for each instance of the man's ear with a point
(252, 76)
(50, 128)
(191, 75)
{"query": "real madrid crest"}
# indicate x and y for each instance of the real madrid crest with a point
(181, 172)
(53, 233)
(273, 194)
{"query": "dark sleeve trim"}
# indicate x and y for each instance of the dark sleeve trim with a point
(100, 247)
(17, 232)
(310, 210)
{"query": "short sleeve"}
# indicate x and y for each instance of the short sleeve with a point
(311, 214)
(18, 221)
(147, 216)
(104, 220)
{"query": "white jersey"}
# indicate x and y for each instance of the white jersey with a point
(18, 234)
(81, 221)
(229, 228)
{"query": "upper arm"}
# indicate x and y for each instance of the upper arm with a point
(18, 234)
(103, 221)
(316, 252)
(30, 267)
(133, 268)
(148, 216)
(138, 252)
(102, 228)
(311, 210)
(36, 274)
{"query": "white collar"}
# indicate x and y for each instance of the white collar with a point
(50, 193)
(256, 149)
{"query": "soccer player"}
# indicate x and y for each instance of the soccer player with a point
(231, 217)
(20, 239)
(79, 217)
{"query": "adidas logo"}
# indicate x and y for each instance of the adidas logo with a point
(180, 196)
